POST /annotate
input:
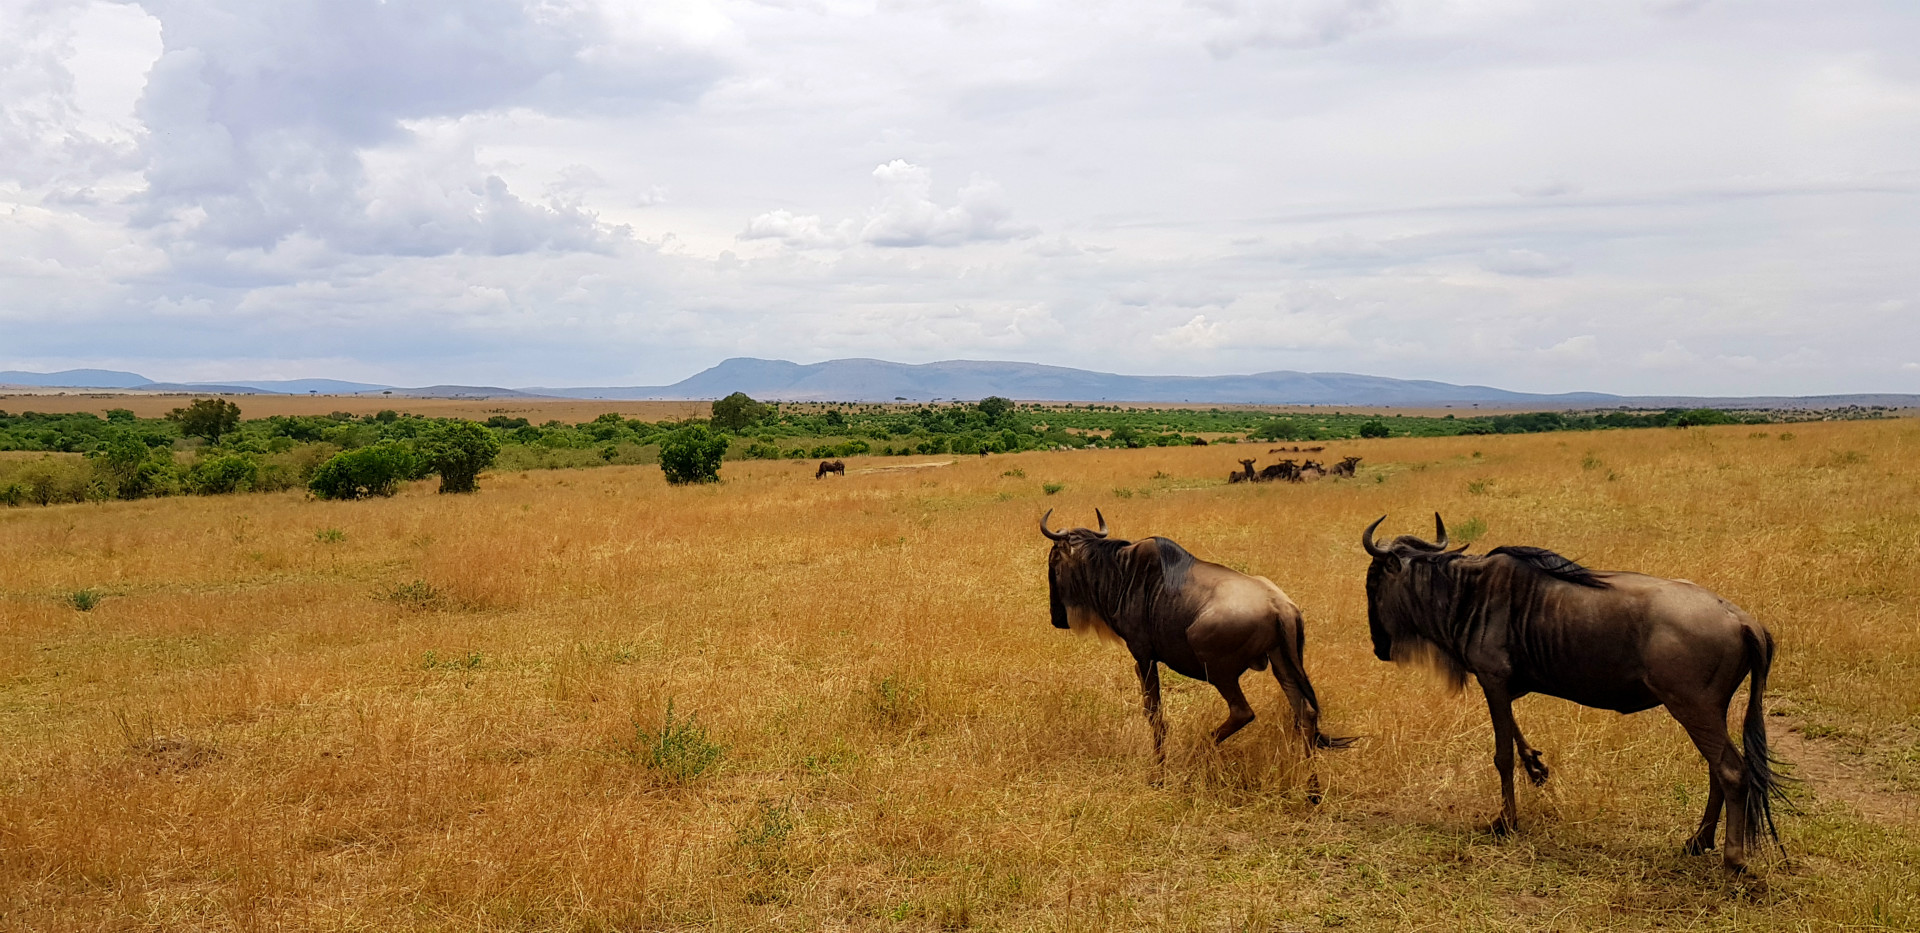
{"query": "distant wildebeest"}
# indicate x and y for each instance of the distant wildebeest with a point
(1346, 467)
(1243, 475)
(1205, 621)
(830, 466)
(1524, 620)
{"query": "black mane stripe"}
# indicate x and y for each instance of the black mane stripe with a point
(1551, 564)
(1175, 561)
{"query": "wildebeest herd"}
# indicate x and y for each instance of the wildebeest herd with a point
(1517, 620)
(1292, 471)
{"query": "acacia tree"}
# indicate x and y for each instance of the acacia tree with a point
(206, 417)
(736, 411)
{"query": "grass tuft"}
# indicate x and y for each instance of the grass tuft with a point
(679, 751)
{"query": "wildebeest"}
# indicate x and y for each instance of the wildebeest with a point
(1168, 607)
(1524, 620)
(1243, 475)
(1310, 470)
(830, 466)
(1285, 470)
(1346, 467)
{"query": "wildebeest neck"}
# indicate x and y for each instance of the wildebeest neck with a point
(1118, 580)
(1434, 607)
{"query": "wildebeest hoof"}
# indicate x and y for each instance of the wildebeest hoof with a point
(1698, 846)
(1503, 827)
(1537, 770)
(1735, 868)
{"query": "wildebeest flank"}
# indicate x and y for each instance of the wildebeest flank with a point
(1523, 620)
(830, 466)
(1203, 620)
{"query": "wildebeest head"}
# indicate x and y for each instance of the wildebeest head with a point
(1405, 584)
(1066, 561)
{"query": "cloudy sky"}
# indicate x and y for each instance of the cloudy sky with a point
(1640, 196)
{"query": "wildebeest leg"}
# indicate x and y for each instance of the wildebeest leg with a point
(1306, 713)
(1500, 705)
(1708, 729)
(1239, 712)
(1149, 671)
(1530, 759)
(1702, 841)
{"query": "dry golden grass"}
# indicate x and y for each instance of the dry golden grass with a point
(426, 712)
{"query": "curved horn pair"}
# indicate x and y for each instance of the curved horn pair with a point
(1057, 535)
(1366, 537)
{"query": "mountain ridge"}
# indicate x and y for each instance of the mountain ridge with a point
(873, 380)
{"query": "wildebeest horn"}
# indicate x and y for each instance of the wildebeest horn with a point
(1103, 523)
(1051, 535)
(1366, 539)
(1439, 528)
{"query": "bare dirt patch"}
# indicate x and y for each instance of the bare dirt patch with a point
(1832, 774)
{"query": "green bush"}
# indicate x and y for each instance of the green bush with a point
(692, 455)
(458, 451)
(1695, 416)
(1281, 429)
(129, 469)
(222, 473)
(375, 470)
(1374, 428)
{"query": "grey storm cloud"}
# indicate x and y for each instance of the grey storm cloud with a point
(259, 113)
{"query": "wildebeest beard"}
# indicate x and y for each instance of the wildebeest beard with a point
(1431, 615)
(1094, 583)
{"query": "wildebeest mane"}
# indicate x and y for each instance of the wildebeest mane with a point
(1551, 564)
(1116, 577)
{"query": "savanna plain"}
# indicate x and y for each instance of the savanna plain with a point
(585, 700)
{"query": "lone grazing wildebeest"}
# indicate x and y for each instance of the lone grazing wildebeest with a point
(830, 466)
(1203, 620)
(1243, 475)
(1525, 620)
(1346, 467)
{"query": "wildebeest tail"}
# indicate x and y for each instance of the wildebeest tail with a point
(1763, 785)
(1290, 658)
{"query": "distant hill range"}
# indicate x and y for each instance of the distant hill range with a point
(861, 380)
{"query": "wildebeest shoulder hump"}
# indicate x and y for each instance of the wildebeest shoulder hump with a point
(1175, 561)
(1551, 564)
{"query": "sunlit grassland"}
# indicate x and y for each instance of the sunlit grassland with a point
(435, 712)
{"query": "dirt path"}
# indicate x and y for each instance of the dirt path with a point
(905, 466)
(1834, 775)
